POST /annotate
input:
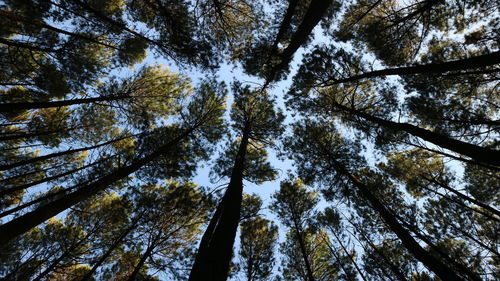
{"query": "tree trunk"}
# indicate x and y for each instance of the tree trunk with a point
(337, 257)
(314, 14)
(480, 154)
(435, 265)
(56, 154)
(391, 265)
(349, 255)
(24, 223)
(108, 253)
(285, 23)
(141, 263)
(213, 264)
(38, 134)
(40, 199)
(459, 266)
(456, 65)
(303, 251)
(18, 18)
(15, 106)
(66, 253)
(465, 197)
(18, 44)
(47, 179)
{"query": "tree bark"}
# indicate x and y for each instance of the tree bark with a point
(314, 14)
(20, 225)
(456, 65)
(432, 263)
(479, 154)
(213, 265)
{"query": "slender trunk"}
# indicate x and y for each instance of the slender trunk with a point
(334, 252)
(459, 266)
(40, 199)
(303, 251)
(113, 22)
(391, 265)
(481, 212)
(47, 179)
(56, 154)
(456, 65)
(31, 173)
(213, 265)
(64, 255)
(18, 18)
(26, 222)
(429, 4)
(15, 106)
(38, 134)
(141, 263)
(108, 253)
(465, 197)
(478, 153)
(18, 44)
(349, 255)
(434, 264)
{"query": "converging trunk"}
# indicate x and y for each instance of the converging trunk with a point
(213, 258)
(432, 263)
(26, 222)
(478, 153)
(440, 67)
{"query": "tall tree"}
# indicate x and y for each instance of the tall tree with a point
(256, 122)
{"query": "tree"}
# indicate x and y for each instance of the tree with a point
(197, 117)
(294, 205)
(256, 121)
(257, 242)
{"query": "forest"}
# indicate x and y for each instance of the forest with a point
(249, 140)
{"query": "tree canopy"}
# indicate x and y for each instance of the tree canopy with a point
(212, 140)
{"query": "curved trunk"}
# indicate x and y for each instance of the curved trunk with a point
(24, 223)
(212, 264)
(478, 153)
